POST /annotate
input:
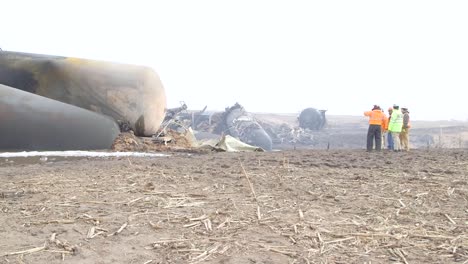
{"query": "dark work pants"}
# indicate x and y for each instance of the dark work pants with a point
(374, 133)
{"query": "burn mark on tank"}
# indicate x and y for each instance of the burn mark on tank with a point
(140, 125)
(17, 78)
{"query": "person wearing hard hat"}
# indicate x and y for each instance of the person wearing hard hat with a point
(389, 134)
(395, 126)
(404, 135)
(374, 133)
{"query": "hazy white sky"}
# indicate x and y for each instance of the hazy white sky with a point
(270, 56)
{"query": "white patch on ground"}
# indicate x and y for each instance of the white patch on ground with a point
(78, 153)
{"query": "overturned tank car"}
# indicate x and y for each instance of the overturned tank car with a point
(33, 122)
(237, 122)
(126, 93)
(313, 119)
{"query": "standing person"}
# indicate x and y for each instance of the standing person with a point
(384, 129)
(389, 134)
(376, 119)
(404, 135)
(395, 126)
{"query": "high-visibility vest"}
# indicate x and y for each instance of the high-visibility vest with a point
(385, 123)
(376, 117)
(396, 122)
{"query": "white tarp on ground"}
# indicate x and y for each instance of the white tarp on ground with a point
(229, 144)
(78, 154)
(226, 143)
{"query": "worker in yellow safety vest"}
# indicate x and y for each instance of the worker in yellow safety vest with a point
(395, 126)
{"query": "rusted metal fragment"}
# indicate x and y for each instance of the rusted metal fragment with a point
(33, 122)
(127, 93)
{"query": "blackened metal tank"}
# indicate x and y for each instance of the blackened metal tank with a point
(127, 93)
(312, 119)
(32, 122)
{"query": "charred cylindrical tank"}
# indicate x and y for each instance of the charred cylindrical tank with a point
(33, 122)
(127, 93)
(312, 118)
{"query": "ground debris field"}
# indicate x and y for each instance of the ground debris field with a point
(307, 206)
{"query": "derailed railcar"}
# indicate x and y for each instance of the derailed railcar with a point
(127, 93)
(311, 118)
(33, 122)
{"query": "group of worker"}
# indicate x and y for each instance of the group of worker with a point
(396, 128)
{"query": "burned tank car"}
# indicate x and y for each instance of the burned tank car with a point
(129, 93)
(240, 124)
(313, 119)
(32, 122)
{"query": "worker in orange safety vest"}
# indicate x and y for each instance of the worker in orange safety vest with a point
(377, 119)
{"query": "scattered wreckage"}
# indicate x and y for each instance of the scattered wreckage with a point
(75, 101)
(234, 128)
(237, 123)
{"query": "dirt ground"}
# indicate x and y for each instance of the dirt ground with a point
(308, 206)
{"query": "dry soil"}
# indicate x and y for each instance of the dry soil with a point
(308, 206)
